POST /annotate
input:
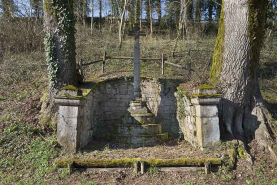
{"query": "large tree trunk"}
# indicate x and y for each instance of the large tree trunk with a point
(60, 54)
(60, 43)
(235, 64)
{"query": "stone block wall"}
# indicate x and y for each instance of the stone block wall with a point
(187, 117)
(96, 115)
(109, 101)
(198, 117)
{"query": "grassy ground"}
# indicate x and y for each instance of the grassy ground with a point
(28, 150)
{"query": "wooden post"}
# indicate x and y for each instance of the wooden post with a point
(142, 167)
(103, 62)
(136, 167)
(162, 64)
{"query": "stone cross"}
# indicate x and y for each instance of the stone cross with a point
(137, 33)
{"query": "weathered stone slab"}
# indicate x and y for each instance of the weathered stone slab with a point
(208, 133)
(205, 101)
(68, 128)
(206, 111)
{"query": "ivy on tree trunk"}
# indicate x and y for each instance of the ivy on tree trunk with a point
(60, 42)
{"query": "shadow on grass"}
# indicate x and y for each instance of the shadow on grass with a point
(268, 70)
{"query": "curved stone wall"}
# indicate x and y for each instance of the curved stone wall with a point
(109, 100)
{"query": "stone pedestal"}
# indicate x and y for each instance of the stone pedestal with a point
(70, 117)
(205, 103)
(137, 128)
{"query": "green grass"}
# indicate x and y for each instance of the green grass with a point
(25, 156)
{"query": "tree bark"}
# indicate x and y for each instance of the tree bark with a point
(121, 23)
(210, 10)
(60, 42)
(236, 65)
(100, 15)
(131, 13)
(92, 13)
(150, 17)
(84, 12)
(189, 17)
(159, 10)
(198, 11)
(147, 9)
(60, 55)
(138, 11)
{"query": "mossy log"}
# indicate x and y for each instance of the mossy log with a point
(129, 162)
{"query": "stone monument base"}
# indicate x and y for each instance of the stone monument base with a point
(137, 128)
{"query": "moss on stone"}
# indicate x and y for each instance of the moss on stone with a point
(128, 162)
(71, 96)
(44, 97)
(180, 89)
(182, 162)
(206, 86)
(241, 152)
(97, 163)
(69, 88)
(218, 49)
(232, 158)
(163, 137)
(205, 95)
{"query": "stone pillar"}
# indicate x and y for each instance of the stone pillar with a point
(70, 118)
(137, 91)
(205, 103)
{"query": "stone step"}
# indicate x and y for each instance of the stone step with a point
(137, 141)
(143, 118)
(134, 130)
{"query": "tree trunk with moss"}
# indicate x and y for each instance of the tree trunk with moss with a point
(60, 42)
(60, 52)
(235, 70)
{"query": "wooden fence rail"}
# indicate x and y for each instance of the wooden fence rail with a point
(179, 53)
(163, 60)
